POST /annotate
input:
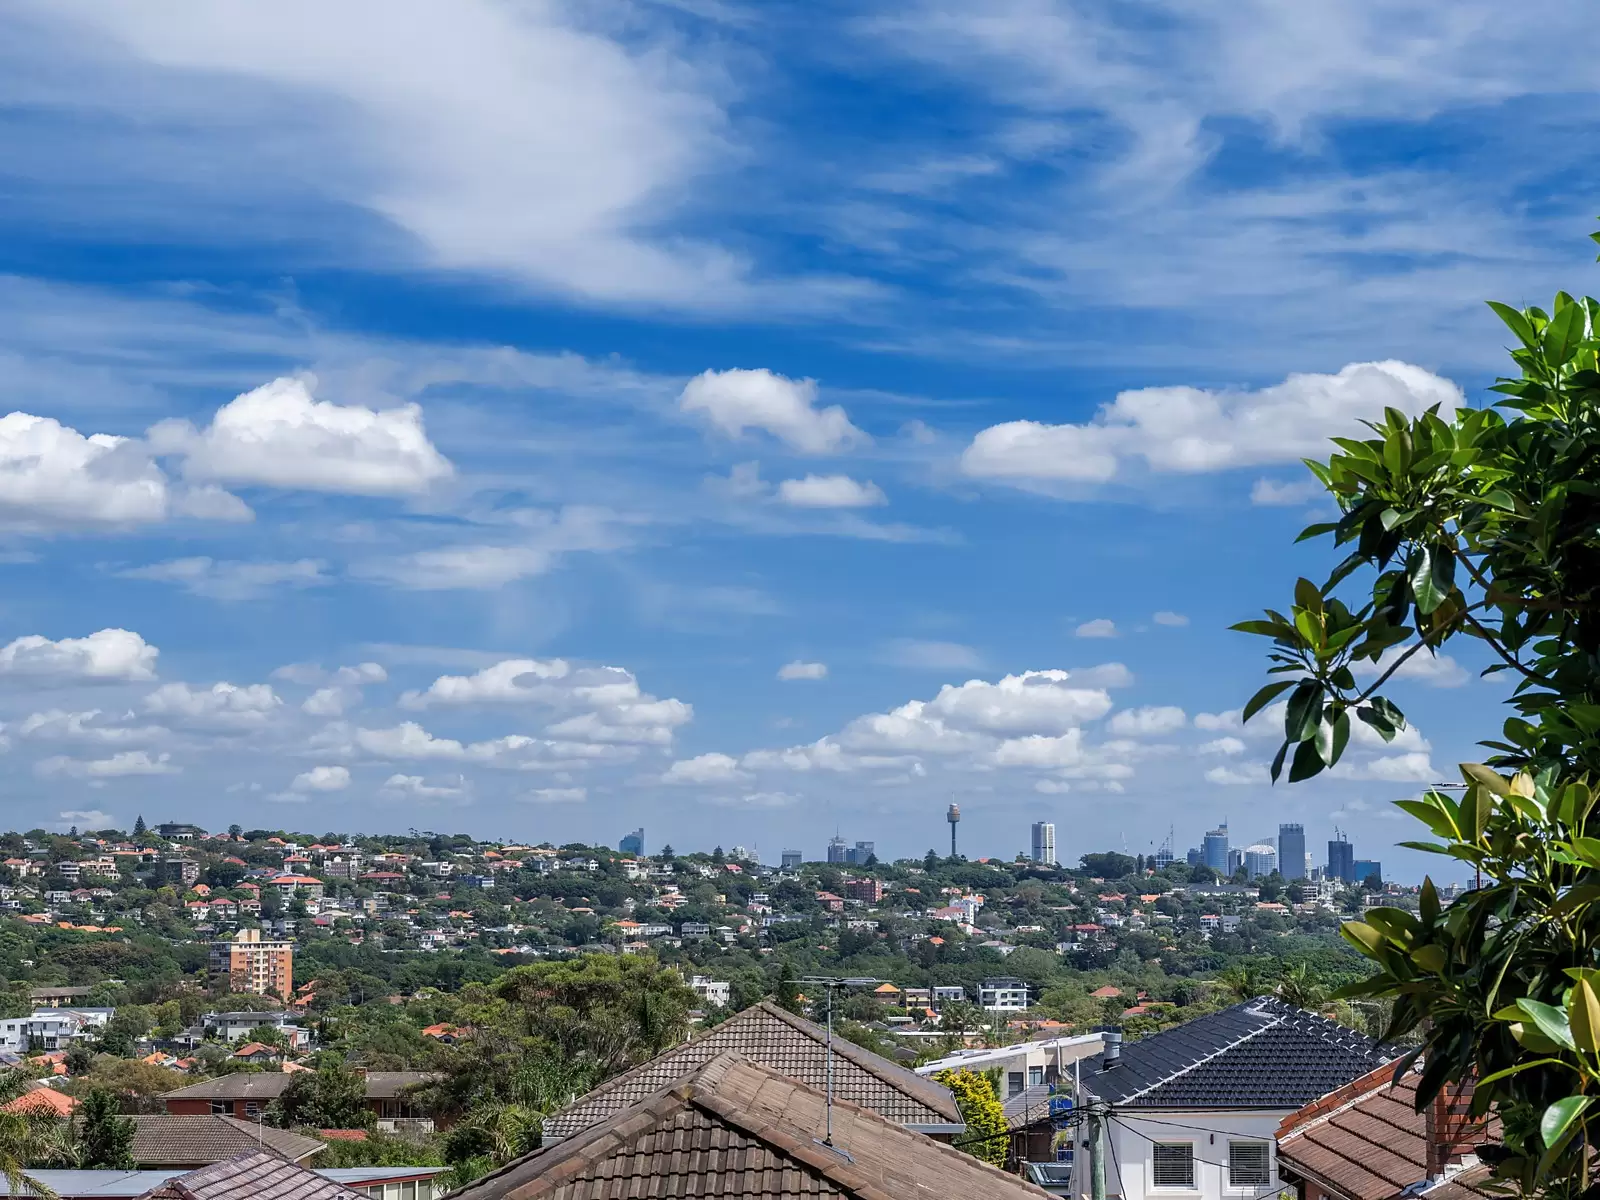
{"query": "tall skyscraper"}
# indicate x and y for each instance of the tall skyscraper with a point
(1044, 843)
(633, 844)
(1366, 868)
(1292, 851)
(838, 849)
(1341, 860)
(1260, 860)
(1214, 850)
(792, 860)
(859, 853)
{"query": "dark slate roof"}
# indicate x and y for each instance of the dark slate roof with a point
(1375, 1148)
(166, 1140)
(1259, 1054)
(252, 1176)
(776, 1037)
(735, 1128)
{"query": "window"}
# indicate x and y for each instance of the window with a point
(1172, 1165)
(1013, 1083)
(252, 1108)
(220, 1106)
(1035, 1076)
(1249, 1165)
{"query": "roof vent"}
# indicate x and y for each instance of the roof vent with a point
(1111, 1048)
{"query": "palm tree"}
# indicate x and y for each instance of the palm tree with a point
(1241, 982)
(31, 1136)
(1301, 988)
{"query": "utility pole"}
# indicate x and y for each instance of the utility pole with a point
(1097, 1154)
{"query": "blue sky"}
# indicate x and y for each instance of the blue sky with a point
(747, 420)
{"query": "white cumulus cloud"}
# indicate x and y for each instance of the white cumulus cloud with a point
(1435, 670)
(737, 400)
(1173, 619)
(124, 763)
(279, 435)
(1100, 627)
(1133, 722)
(108, 655)
(416, 785)
(710, 768)
(1189, 430)
(803, 670)
(322, 779)
(224, 704)
(215, 580)
(830, 491)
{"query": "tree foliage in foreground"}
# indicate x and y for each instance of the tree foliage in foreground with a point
(1480, 524)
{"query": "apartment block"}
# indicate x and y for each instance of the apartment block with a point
(255, 965)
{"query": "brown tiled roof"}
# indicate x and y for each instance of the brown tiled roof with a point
(737, 1128)
(792, 1045)
(251, 1176)
(166, 1140)
(1373, 1148)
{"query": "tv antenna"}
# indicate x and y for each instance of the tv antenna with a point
(833, 984)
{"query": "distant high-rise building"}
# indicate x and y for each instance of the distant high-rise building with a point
(1260, 860)
(1195, 856)
(1366, 868)
(1163, 857)
(838, 850)
(633, 844)
(1214, 850)
(859, 853)
(1044, 843)
(792, 860)
(1341, 860)
(1235, 859)
(1292, 851)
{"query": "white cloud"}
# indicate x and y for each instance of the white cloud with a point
(1244, 775)
(931, 656)
(322, 779)
(803, 670)
(109, 655)
(231, 580)
(1270, 493)
(51, 474)
(1223, 745)
(1435, 670)
(124, 763)
(710, 768)
(753, 800)
(1175, 620)
(512, 681)
(1101, 627)
(280, 436)
(223, 704)
(530, 142)
(830, 491)
(1189, 430)
(407, 740)
(1039, 752)
(1105, 675)
(1032, 702)
(1413, 767)
(736, 400)
(1052, 787)
(461, 567)
(56, 725)
(564, 795)
(85, 819)
(1148, 721)
(416, 785)
(328, 701)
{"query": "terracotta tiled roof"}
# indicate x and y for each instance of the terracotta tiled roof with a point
(735, 1128)
(41, 1098)
(251, 1176)
(1374, 1147)
(167, 1140)
(787, 1043)
(381, 1085)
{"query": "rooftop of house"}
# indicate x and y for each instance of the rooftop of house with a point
(254, 1175)
(1258, 1054)
(771, 1035)
(165, 1140)
(381, 1085)
(1374, 1146)
(734, 1127)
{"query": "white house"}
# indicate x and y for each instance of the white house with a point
(1003, 995)
(1193, 1111)
(52, 1028)
(712, 991)
(1023, 1065)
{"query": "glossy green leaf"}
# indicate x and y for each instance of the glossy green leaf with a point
(1558, 1118)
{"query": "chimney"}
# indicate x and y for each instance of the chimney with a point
(1110, 1048)
(1451, 1129)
